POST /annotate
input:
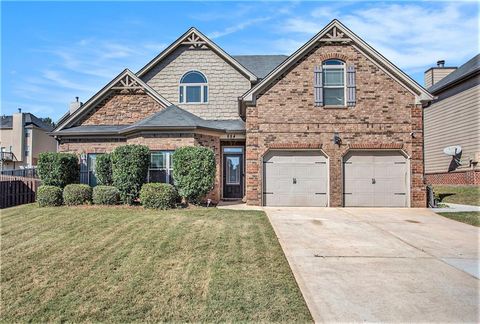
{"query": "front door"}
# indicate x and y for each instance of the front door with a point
(232, 175)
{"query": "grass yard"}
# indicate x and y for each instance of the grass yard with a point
(466, 195)
(472, 218)
(124, 264)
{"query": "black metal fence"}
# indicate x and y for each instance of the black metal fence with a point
(25, 173)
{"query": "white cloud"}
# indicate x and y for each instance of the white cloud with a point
(79, 69)
(237, 27)
(413, 36)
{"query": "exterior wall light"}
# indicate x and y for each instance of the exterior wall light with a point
(336, 139)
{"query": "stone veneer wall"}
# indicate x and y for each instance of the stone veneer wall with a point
(384, 116)
(122, 108)
(225, 83)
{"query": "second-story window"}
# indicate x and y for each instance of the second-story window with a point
(334, 83)
(193, 88)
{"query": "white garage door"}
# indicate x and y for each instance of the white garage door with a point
(375, 179)
(295, 178)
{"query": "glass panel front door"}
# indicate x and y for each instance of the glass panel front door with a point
(232, 175)
(233, 170)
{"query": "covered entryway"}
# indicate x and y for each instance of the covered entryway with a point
(295, 178)
(375, 179)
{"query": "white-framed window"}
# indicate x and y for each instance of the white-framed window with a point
(334, 83)
(193, 88)
(161, 167)
(27, 150)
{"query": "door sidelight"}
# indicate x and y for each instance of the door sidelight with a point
(374, 181)
(294, 180)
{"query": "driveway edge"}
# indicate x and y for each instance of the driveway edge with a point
(307, 296)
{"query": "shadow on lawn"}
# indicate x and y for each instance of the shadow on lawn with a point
(444, 195)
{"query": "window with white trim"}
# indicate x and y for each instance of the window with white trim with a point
(161, 167)
(193, 88)
(333, 83)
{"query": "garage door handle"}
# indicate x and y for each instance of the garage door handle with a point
(373, 181)
(294, 180)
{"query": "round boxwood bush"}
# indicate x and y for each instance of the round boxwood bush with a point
(49, 196)
(158, 195)
(77, 194)
(194, 172)
(105, 195)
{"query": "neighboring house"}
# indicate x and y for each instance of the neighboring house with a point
(22, 138)
(334, 124)
(453, 119)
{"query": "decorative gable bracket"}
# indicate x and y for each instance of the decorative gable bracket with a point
(127, 83)
(335, 35)
(195, 42)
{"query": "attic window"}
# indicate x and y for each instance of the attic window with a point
(193, 88)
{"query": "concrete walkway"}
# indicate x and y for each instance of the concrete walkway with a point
(382, 265)
(456, 208)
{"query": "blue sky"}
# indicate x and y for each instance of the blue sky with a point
(54, 51)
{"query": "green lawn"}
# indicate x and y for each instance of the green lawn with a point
(466, 195)
(124, 264)
(472, 218)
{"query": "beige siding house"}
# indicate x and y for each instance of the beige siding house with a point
(22, 138)
(453, 119)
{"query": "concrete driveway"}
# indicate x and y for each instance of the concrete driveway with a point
(389, 265)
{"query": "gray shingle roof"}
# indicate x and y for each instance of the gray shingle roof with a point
(30, 119)
(260, 65)
(94, 129)
(467, 69)
(6, 122)
(171, 117)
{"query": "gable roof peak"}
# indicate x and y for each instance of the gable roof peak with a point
(195, 39)
(125, 80)
(335, 31)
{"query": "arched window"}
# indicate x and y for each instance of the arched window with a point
(193, 88)
(333, 83)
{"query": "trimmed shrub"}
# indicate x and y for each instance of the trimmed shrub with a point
(105, 195)
(49, 196)
(129, 170)
(77, 194)
(158, 195)
(194, 172)
(103, 169)
(58, 169)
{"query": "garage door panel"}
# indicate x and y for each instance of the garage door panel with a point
(295, 178)
(375, 179)
(359, 170)
(390, 185)
(359, 200)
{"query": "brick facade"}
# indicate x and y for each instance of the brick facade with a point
(154, 142)
(384, 117)
(468, 177)
(122, 108)
(225, 83)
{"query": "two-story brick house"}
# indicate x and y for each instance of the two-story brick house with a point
(334, 124)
